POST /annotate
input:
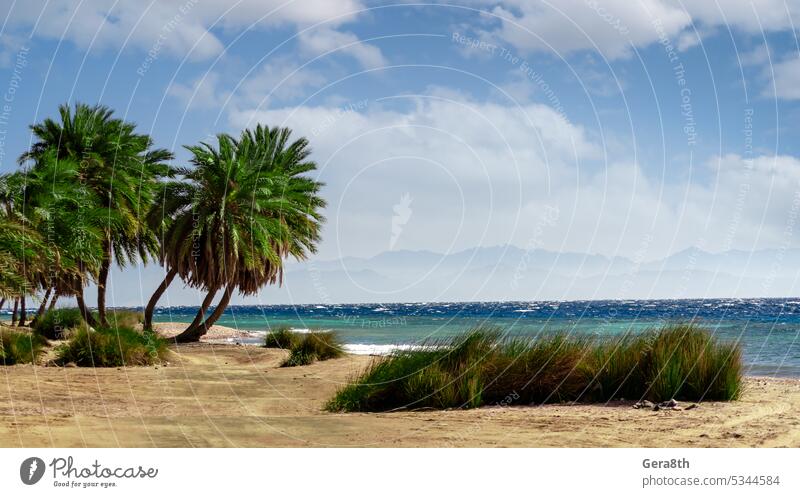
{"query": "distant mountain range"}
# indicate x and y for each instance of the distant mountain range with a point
(505, 273)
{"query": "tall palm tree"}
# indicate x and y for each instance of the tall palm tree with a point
(244, 207)
(119, 167)
(50, 200)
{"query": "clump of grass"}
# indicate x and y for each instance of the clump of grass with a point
(314, 346)
(683, 362)
(618, 368)
(548, 368)
(281, 338)
(20, 347)
(112, 347)
(124, 318)
(687, 363)
(54, 323)
(438, 374)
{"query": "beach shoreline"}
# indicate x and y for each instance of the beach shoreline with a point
(224, 395)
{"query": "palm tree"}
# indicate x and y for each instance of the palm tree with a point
(51, 201)
(119, 167)
(245, 207)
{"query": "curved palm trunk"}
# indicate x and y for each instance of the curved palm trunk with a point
(14, 314)
(151, 305)
(22, 315)
(201, 313)
(102, 278)
(42, 306)
(87, 316)
(218, 311)
(195, 331)
(53, 302)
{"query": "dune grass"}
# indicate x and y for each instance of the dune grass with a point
(112, 347)
(54, 323)
(315, 346)
(281, 338)
(482, 367)
(20, 347)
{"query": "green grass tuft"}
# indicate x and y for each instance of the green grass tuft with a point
(122, 318)
(112, 347)
(683, 362)
(54, 323)
(314, 346)
(20, 347)
(281, 338)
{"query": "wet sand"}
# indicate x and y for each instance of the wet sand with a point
(212, 395)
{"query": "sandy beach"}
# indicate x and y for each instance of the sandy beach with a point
(216, 333)
(212, 395)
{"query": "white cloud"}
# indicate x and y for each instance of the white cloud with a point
(203, 93)
(279, 80)
(614, 27)
(325, 40)
(479, 173)
(610, 26)
(272, 83)
(786, 79)
(467, 165)
(745, 15)
(178, 28)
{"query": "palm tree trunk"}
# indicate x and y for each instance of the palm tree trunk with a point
(2, 303)
(218, 311)
(14, 314)
(42, 306)
(194, 331)
(102, 278)
(201, 314)
(87, 316)
(22, 315)
(151, 305)
(53, 302)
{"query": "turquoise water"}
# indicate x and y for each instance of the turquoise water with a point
(768, 329)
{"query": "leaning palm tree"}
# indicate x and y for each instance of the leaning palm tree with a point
(121, 169)
(50, 200)
(245, 207)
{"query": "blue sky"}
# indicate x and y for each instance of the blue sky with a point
(649, 126)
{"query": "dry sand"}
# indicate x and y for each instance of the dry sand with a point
(215, 333)
(214, 395)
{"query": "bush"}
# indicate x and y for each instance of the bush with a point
(281, 338)
(683, 362)
(54, 323)
(19, 347)
(687, 363)
(314, 346)
(112, 347)
(122, 318)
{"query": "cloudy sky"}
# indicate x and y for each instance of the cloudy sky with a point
(636, 128)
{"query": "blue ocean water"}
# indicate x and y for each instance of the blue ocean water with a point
(768, 329)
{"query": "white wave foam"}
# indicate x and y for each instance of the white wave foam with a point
(379, 349)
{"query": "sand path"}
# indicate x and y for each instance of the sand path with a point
(226, 395)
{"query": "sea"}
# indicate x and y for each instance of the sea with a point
(768, 329)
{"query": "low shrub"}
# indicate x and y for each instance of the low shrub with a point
(686, 362)
(314, 346)
(281, 338)
(683, 362)
(112, 347)
(54, 323)
(123, 318)
(20, 347)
